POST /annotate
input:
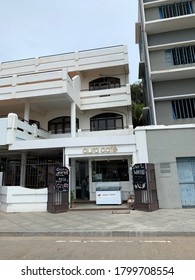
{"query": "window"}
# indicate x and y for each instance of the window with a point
(183, 108)
(179, 56)
(176, 9)
(61, 125)
(106, 121)
(104, 83)
(109, 171)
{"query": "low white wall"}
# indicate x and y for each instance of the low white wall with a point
(20, 199)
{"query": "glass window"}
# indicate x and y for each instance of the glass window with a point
(104, 83)
(61, 125)
(110, 171)
(106, 121)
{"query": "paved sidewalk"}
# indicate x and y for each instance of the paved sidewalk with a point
(163, 222)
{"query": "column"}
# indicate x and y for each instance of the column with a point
(1, 178)
(91, 196)
(65, 158)
(27, 111)
(73, 119)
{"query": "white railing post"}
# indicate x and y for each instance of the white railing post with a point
(12, 124)
(34, 130)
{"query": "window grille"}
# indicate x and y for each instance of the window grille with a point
(176, 9)
(183, 108)
(179, 56)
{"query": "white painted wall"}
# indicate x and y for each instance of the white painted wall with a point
(75, 61)
(20, 199)
(3, 131)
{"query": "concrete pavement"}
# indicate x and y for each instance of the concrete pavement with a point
(162, 222)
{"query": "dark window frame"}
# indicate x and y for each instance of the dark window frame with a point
(104, 83)
(102, 122)
(110, 171)
(61, 125)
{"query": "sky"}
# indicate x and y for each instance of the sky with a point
(33, 28)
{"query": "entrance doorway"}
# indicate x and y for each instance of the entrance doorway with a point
(186, 173)
(82, 171)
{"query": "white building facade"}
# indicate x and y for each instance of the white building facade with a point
(72, 109)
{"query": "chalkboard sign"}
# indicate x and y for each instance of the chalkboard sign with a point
(62, 179)
(139, 176)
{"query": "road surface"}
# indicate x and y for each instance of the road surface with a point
(101, 248)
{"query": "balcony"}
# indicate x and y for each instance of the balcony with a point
(39, 85)
(177, 73)
(114, 56)
(105, 98)
(15, 130)
(128, 130)
(170, 24)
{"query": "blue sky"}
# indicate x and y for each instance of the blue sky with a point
(32, 28)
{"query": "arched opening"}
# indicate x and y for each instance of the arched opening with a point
(61, 125)
(104, 83)
(106, 121)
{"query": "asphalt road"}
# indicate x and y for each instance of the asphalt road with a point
(101, 248)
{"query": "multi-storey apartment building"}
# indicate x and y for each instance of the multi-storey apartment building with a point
(165, 33)
(72, 109)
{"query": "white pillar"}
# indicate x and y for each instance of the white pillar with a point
(27, 111)
(141, 144)
(73, 119)
(1, 178)
(65, 158)
(90, 177)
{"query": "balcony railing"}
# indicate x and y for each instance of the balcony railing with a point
(39, 84)
(105, 98)
(15, 129)
(87, 133)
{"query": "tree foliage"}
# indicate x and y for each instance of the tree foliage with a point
(137, 97)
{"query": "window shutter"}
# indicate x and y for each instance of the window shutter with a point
(169, 58)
